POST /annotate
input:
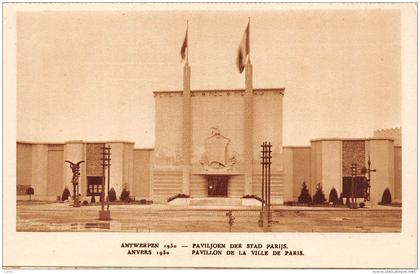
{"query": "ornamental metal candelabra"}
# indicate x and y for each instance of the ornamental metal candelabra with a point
(75, 168)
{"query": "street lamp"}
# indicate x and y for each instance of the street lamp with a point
(369, 170)
(105, 215)
(353, 203)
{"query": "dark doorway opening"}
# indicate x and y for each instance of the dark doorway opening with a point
(94, 184)
(360, 186)
(217, 186)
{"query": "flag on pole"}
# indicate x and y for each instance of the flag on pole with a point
(243, 50)
(184, 48)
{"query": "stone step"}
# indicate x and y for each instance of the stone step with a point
(216, 201)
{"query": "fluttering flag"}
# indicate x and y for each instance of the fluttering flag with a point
(184, 48)
(243, 50)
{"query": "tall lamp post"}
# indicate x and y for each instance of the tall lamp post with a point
(369, 170)
(366, 185)
(353, 203)
(265, 214)
(105, 215)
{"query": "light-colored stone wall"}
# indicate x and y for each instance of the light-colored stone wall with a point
(301, 169)
(217, 109)
(327, 166)
(223, 109)
(141, 173)
(167, 157)
(397, 175)
(268, 126)
(39, 170)
(40, 165)
(288, 173)
(332, 167)
(236, 186)
(277, 187)
(394, 133)
(168, 130)
(55, 185)
(43, 166)
(316, 166)
(128, 166)
(297, 169)
(166, 183)
(23, 164)
(382, 158)
(198, 187)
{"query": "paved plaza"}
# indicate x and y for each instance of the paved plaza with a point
(41, 216)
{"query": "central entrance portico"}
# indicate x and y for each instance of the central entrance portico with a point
(217, 163)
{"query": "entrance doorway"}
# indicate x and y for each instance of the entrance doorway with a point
(360, 186)
(94, 184)
(217, 186)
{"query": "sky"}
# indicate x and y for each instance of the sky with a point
(90, 75)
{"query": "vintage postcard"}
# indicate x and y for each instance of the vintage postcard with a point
(210, 135)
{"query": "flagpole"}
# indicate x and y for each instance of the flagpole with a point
(187, 43)
(249, 39)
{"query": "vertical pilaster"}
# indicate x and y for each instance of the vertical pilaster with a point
(40, 169)
(382, 158)
(248, 129)
(186, 131)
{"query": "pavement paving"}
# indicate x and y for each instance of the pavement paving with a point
(43, 216)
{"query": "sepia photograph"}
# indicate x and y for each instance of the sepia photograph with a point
(252, 120)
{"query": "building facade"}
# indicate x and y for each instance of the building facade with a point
(43, 167)
(328, 162)
(207, 144)
(217, 148)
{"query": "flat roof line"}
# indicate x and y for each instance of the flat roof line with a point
(221, 90)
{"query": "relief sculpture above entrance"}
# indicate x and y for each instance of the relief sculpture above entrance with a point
(217, 155)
